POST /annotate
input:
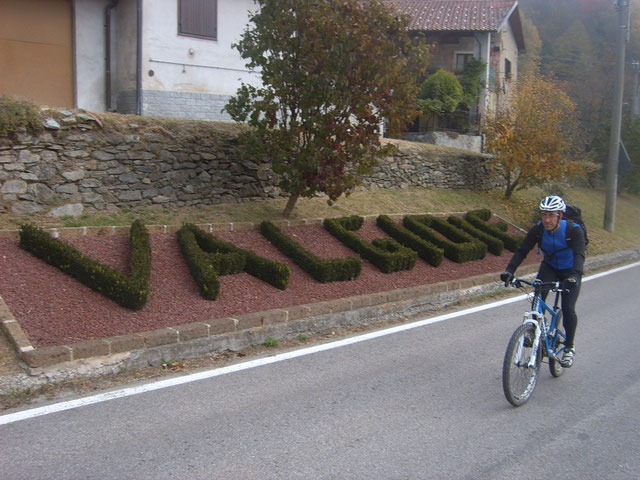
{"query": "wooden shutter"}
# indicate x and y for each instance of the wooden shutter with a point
(198, 18)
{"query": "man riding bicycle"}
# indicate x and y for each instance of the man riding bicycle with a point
(563, 244)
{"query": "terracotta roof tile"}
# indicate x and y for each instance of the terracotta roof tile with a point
(454, 15)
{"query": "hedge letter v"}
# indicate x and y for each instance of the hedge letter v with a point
(130, 292)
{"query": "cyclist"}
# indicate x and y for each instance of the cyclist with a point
(563, 245)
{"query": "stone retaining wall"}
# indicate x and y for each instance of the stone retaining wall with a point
(78, 165)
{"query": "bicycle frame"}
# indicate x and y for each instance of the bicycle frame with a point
(546, 327)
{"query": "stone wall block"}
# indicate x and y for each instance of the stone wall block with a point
(46, 356)
(90, 348)
(14, 187)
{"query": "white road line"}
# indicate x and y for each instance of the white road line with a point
(194, 377)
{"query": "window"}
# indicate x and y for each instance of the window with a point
(507, 69)
(461, 60)
(198, 18)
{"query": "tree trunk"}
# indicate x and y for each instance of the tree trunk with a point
(290, 204)
(509, 191)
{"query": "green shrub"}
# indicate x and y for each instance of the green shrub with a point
(323, 270)
(385, 253)
(480, 220)
(209, 256)
(427, 251)
(130, 292)
(199, 262)
(16, 114)
(441, 93)
(458, 246)
(494, 245)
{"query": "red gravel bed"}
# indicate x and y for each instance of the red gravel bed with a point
(55, 309)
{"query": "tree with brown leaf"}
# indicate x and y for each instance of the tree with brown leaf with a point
(333, 71)
(532, 137)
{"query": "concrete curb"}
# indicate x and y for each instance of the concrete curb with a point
(110, 355)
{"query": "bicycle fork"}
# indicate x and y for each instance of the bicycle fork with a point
(536, 319)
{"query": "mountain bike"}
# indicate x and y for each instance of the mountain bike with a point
(539, 337)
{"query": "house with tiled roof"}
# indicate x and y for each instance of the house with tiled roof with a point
(174, 58)
(459, 30)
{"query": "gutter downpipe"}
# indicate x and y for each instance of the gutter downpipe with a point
(74, 52)
(484, 96)
(482, 92)
(107, 69)
(139, 60)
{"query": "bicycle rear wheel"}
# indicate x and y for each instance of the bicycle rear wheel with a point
(518, 378)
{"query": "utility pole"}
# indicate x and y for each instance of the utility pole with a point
(635, 105)
(614, 145)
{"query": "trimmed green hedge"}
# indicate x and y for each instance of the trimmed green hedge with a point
(427, 251)
(208, 257)
(130, 292)
(480, 220)
(322, 269)
(199, 262)
(494, 245)
(385, 253)
(458, 245)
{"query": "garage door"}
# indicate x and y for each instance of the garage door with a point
(36, 60)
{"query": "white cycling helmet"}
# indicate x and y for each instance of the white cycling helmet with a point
(552, 203)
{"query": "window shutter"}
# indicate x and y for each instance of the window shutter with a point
(198, 18)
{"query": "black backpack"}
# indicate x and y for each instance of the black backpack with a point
(574, 213)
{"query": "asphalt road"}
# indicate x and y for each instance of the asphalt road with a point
(419, 403)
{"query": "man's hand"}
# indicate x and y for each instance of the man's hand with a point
(506, 277)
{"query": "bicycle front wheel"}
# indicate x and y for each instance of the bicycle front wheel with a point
(518, 376)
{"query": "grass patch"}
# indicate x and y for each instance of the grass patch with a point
(18, 114)
(271, 342)
(519, 210)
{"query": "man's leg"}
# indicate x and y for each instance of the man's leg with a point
(569, 316)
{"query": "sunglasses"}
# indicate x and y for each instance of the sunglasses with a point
(549, 214)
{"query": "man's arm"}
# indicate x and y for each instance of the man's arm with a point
(527, 244)
(577, 244)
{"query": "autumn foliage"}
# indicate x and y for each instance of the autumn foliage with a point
(532, 138)
(332, 72)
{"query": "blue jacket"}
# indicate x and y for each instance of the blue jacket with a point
(564, 249)
(555, 246)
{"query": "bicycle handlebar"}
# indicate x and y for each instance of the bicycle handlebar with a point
(517, 283)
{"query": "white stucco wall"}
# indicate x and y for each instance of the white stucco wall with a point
(188, 64)
(505, 88)
(89, 54)
(509, 51)
(196, 69)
